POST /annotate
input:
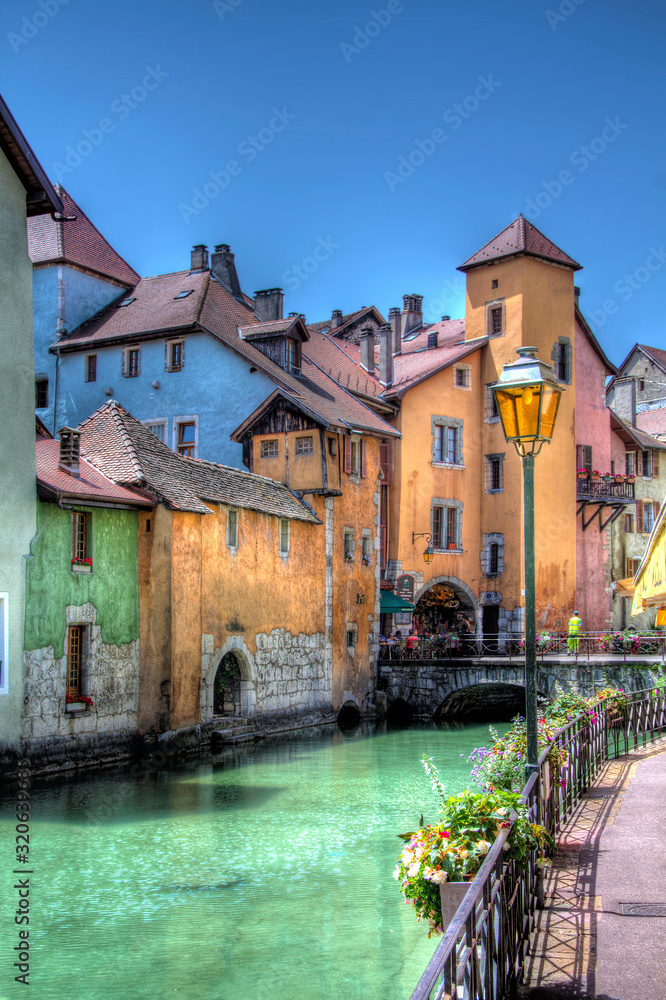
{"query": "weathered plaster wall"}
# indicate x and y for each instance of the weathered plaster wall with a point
(17, 442)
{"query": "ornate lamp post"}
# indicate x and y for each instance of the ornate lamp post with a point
(429, 551)
(528, 397)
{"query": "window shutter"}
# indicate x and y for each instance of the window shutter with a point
(639, 515)
(588, 457)
(639, 463)
(580, 457)
(347, 440)
(364, 460)
(655, 508)
(655, 462)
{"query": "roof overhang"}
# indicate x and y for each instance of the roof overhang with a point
(41, 196)
(68, 346)
(263, 408)
(393, 392)
(633, 436)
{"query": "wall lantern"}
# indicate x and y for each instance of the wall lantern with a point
(528, 398)
(429, 552)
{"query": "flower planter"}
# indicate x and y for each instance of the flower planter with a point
(81, 568)
(451, 895)
(452, 546)
(76, 707)
(595, 479)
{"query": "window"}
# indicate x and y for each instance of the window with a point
(74, 660)
(232, 528)
(493, 559)
(158, 428)
(81, 559)
(183, 295)
(647, 464)
(584, 457)
(630, 463)
(131, 362)
(269, 449)
(41, 393)
(640, 385)
(293, 359)
(437, 518)
(284, 536)
(648, 516)
(91, 367)
(4, 643)
(446, 524)
(348, 537)
(304, 446)
(125, 302)
(351, 635)
(492, 413)
(495, 282)
(447, 441)
(355, 456)
(185, 436)
(450, 526)
(629, 522)
(175, 355)
(495, 318)
(367, 548)
(492, 554)
(494, 477)
(462, 377)
(632, 567)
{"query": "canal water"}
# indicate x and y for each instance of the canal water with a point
(261, 872)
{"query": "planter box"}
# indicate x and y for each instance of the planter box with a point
(76, 706)
(81, 568)
(451, 895)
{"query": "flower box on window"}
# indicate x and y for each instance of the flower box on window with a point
(349, 557)
(367, 560)
(78, 703)
(81, 565)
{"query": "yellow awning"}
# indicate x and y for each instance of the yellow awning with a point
(650, 587)
(625, 588)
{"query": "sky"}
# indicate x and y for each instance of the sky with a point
(353, 152)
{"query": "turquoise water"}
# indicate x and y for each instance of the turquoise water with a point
(264, 872)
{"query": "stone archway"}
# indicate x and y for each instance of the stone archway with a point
(443, 598)
(484, 702)
(245, 695)
(227, 686)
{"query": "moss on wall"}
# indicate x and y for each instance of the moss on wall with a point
(112, 587)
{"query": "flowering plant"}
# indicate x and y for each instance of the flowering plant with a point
(74, 699)
(454, 849)
(581, 472)
(604, 643)
(367, 560)
(543, 640)
(349, 557)
(615, 699)
(502, 765)
(595, 472)
(81, 562)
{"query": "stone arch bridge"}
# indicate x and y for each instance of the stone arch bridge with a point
(490, 688)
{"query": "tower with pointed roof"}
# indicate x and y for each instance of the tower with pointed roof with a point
(520, 292)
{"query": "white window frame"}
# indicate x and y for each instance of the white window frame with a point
(355, 456)
(306, 437)
(263, 450)
(647, 527)
(283, 523)
(167, 354)
(185, 419)
(158, 422)
(232, 543)
(4, 642)
(458, 506)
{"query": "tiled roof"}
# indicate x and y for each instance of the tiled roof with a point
(40, 195)
(656, 353)
(652, 421)
(341, 360)
(91, 483)
(635, 435)
(76, 242)
(326, 326)
(127, 452)
(521, 237)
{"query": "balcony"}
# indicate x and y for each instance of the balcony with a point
(607, 499)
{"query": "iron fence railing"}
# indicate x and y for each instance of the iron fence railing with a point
(604, 489)
(558, 644)
(482, 953)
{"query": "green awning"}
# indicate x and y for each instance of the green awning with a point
(392, 604)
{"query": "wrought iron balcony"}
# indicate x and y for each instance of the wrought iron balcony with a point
(605, 490)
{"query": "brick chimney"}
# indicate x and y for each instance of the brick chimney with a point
(386, 354)
(199, 259)
(412, 313)
(268, 304)
(336, 319)
(433, 338)
(223, 267)
(70, 441)
(367, 342)
(395, 320)
(625, 400)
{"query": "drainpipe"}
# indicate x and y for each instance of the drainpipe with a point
(60, 330)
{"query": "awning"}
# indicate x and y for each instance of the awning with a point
(625, 588)
(392, 604)
(651, 583)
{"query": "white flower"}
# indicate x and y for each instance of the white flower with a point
(407, 856)
(506, 847)
(396, 873)
(428, 873)
(501, 811)
(413, 870)
(463, 852)
(439, 877)
(483, 846)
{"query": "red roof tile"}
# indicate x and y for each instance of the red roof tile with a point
(77, 242)
(326, 326)
(91, 483)
(656, 353)
(652, 421)
(521, 237)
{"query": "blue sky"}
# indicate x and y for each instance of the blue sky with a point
(393, 138)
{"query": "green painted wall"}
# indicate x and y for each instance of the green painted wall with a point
(17, 432)
(112, 587)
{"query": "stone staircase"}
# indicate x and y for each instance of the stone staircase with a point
(233, 729)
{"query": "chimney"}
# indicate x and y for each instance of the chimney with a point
(70, 440)
(577, 296)
(268, 304)
(367, 342)
(395, 321)
(386, 354)
(412, 313)
(199, 260)
(432, 340)
(445, 319)
(336, 319)
(625, 400)
(224, 269)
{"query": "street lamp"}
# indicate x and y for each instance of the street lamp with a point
(429, 551)
(528, 398)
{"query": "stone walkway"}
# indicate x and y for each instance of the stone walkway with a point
(602, 934)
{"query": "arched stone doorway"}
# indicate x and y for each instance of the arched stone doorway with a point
(483, 703)
(227, 686)
(446, 606)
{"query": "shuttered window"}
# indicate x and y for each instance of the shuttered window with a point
(639, 515)
(655, 463)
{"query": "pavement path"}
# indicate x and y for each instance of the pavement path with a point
(602, 934)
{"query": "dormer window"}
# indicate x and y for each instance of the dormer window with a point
(125, 302)
(293, 358)
(183, 295)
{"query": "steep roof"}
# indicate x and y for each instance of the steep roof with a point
(91, 484)
(585, 327)
(521, 237)
(652, 421)
(127, 452)
(632, 435)
(348, 319)
(40, 195)
(75, 240)
(652, 353)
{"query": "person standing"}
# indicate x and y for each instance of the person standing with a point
(574, 634)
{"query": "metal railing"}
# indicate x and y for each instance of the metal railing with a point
(604, 489)
(482, 953)
(558, 644)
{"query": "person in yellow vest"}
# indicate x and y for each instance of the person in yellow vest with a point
(574, 632)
